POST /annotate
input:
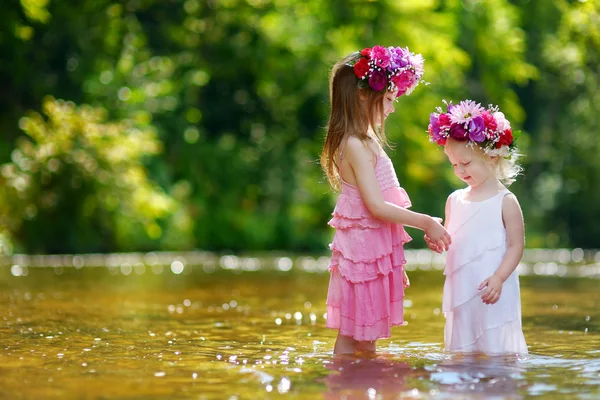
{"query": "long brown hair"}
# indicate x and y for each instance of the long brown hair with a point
(349, 115)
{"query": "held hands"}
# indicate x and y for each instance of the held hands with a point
(493, 291)
(436, 237)
(432, 246)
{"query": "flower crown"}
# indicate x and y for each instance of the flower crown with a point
(382, 68)
(469, 121)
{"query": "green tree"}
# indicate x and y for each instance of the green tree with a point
(77, 181)
(232, 98)
(562, 108)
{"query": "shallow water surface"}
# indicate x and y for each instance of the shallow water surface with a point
(95, 333)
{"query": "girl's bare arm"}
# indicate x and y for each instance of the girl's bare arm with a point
(359, 157)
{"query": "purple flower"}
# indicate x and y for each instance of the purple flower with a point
(434, 126)
(433, 120)
(477, 129)
(377, 81)
(458, 132)
(435, 130)
(398, 58)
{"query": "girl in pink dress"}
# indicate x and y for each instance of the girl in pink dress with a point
(366, 288)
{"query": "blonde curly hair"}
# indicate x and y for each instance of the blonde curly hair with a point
(506, 167)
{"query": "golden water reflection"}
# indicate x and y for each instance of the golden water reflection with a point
(88, 333)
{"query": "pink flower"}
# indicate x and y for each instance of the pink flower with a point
(404, 80)
(489, 120)
(464, 111)
(503, 124)
(417, 62)
(444, 121)
(435, 133)
(381, 56)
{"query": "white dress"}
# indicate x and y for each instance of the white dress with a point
(478, 246)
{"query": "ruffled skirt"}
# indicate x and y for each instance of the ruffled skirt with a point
(366, 289)
(473, 326)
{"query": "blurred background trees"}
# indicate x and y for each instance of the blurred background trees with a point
(150, 124)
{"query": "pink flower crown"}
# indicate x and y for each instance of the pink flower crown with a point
(469, 121)
(382, 68)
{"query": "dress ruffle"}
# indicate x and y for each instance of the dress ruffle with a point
(340, 222)
(365, 245)
(463, 284)
(367, 310)
(489, 328)
(481, 215)
(366, 289)
(506, 338)
(457, 259)
(363, 271)
(350, 205)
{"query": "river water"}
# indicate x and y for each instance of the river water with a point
(137, 332)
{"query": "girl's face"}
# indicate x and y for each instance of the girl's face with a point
(388, 106)
(388, 102)
(472, 168)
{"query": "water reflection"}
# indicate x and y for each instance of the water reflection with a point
(457, 376)
(354, 377)
(501, 376)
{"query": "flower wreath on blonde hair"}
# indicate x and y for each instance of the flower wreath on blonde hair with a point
(387, 68)
(468, 121)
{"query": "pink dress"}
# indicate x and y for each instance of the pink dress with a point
(366, 288)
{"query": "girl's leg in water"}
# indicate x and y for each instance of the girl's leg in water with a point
(344, 345)
(369, 346)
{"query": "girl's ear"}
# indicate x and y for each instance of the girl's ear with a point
(494, 160)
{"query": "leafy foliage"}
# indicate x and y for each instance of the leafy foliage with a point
(205, 118)
(74, 164)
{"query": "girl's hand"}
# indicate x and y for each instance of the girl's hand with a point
(405, 280)
(438, 234)
(432, 246)
(493, 291)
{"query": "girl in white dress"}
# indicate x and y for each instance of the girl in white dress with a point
(481, 299)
